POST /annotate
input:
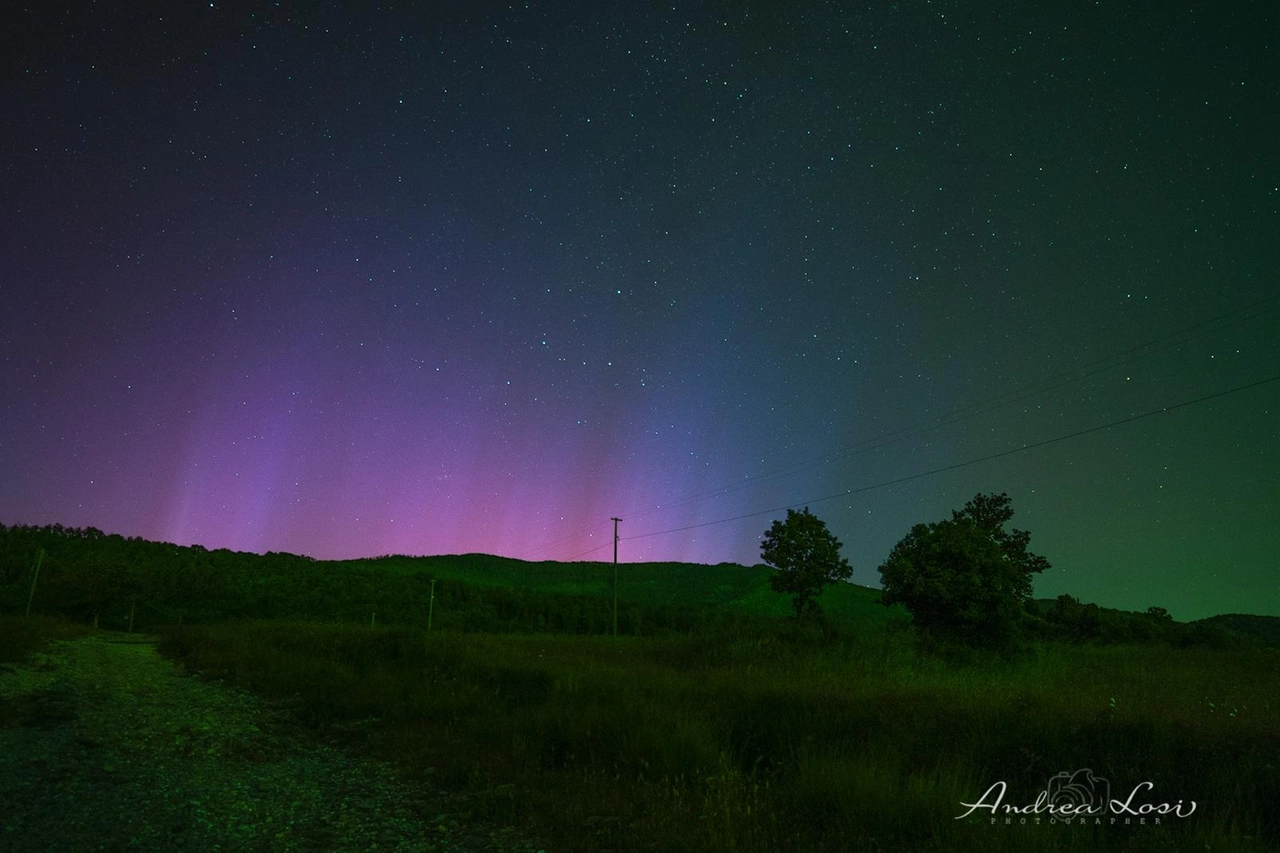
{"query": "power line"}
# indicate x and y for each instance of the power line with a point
(966, 463)
(572, 536)
(994, 402)
(589, 551)
(989, 404)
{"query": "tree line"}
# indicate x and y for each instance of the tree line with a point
(965, 581)
(94, 577)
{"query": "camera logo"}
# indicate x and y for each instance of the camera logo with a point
(1078, 793)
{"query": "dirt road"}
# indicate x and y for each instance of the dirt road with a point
(105, 745)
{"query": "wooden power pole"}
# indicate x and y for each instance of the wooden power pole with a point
(615, 576)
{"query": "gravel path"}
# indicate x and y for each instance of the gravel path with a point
(105, 745)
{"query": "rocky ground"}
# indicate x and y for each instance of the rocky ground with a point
(105, 745)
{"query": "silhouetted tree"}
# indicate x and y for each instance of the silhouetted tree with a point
(965, 578)
(807, 557)
(1075, 621)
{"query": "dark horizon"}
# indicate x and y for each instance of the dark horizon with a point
(855, 581)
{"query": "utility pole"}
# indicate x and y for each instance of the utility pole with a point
(615, 576)
(431, 605)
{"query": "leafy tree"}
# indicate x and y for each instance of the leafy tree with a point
(807, 557)
(1076, 622)
(965, 578)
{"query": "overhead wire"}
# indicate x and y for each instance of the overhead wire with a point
(1022, 449)
(985, 406)
(989, 404)
(589, 551)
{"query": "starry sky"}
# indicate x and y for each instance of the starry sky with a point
(466, 277)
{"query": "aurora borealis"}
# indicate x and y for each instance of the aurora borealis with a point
(479, 277)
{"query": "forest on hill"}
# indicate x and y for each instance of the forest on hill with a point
(131, 583)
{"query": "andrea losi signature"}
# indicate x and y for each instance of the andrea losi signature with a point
(1079, 794)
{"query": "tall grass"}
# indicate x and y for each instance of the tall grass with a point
(749, 740)
(20, 636)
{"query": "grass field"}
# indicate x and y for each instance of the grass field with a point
(745, 737)
(710, 724)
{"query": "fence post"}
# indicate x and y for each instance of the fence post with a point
(35, 574)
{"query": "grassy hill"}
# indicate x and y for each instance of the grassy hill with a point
(1264, 630)
(742, 589)
(123, 583)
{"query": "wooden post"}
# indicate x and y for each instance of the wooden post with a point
(431, 605)
(32, 593)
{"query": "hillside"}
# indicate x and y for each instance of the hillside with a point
(726, 586)
(1264, 630)
(127, 583)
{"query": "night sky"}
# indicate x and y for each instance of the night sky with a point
(478, 278)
